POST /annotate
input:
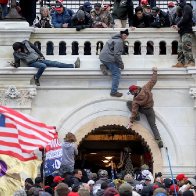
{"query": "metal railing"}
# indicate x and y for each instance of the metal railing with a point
(76, 4)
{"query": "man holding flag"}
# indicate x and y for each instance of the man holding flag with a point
(20, 135)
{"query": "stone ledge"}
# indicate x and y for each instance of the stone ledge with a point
(93, 71)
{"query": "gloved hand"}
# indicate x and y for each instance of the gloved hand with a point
(15, 65)
(121, 66)
(79, 27)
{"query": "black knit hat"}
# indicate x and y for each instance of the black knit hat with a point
(17, 45)
(125, 32)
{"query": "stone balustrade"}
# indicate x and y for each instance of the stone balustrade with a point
(143, 48)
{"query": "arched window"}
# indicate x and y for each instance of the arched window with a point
(38, 45)
(99, 47)
(162, 48)
(75, 48)
(49, 48)
(175, 47)
(126, 48)
(150, 48)
(87, 48)
(62, 48)
(137, 48)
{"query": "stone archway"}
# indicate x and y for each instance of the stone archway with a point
(122, 121)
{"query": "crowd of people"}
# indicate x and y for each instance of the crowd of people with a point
(83, 183)
(146, 14)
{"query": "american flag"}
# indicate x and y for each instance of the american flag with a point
(20, 134)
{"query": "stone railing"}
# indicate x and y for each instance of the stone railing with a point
(143, 48)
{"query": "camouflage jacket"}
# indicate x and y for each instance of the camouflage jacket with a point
(100, 18)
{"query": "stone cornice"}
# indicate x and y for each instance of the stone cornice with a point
(25, 71)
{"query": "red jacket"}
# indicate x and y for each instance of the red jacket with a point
(3, 1)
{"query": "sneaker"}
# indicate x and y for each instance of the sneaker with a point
(190, 64)
(77, 63)
(117, 94)
(36, 81)
(159, 142)
(178, 65)
(104, 69)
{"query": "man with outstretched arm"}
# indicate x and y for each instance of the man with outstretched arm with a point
(143, 102)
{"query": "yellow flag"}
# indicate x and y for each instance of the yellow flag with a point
(13, 172)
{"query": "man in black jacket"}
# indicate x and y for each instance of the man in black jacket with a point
(159, 18)
(122, 10)
(81, 20)
(184, 27)
(140, 19)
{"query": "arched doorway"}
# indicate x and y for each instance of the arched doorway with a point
(103, 147)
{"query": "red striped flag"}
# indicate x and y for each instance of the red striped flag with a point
(20, 134)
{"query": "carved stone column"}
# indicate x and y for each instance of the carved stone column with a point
(192, 92)
(14, 97)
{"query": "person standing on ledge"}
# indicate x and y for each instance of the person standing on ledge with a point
(143, 102)
(31, 55)
(110, 56)
(184, 27)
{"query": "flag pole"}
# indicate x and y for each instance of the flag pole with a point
(171, 171)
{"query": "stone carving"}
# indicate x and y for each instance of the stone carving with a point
(12, 92)
(17, 97)
(192, 92)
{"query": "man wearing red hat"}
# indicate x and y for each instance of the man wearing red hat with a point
(143, 102)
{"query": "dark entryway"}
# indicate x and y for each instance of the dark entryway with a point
(109, 141)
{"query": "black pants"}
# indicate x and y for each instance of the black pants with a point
(28, 10)
(150, 115)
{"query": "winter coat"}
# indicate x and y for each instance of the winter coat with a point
(123, 9)
(161, 20)
(59, 19)
(43, 23)
(103, 17)
(186, 22)
(79, 25)
(69, 150)
(100, 192)
(112, 50)
(142, 23)
(31, 56)
(144, 98)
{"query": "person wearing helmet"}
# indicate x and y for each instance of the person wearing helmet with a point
(143, 102)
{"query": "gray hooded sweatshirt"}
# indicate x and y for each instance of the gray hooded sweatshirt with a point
(69, 151)
(112, 50)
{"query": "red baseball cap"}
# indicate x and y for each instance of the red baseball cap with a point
(180, 177)
(132, 88)
(144, 2)
(58, 6)
(171, 4)
(58, 179)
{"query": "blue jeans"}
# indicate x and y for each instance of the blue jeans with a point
(42, 64)
(4, 10)
(116, 74)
